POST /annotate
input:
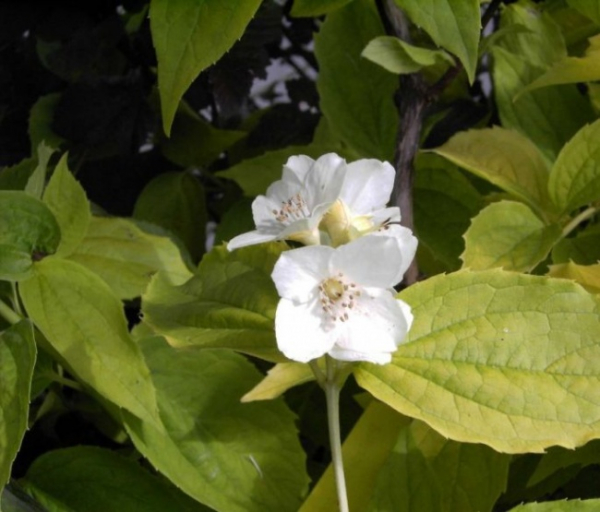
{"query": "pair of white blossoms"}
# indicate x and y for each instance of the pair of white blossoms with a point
(337, 294)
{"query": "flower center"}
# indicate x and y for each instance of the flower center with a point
(338, 297)
(293, 209)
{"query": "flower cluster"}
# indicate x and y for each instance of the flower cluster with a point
(337, 294)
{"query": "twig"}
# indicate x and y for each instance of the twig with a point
(412, 99)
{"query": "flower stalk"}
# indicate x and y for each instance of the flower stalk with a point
(332, 393)
(8, 314)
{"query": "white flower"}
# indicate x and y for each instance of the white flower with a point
(326, 202)
(341, 301)
(294, 205)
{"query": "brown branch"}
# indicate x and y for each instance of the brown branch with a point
(411, 101)
(413, 97)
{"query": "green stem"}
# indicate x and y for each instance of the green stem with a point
(584, 215)
(8, 314)
(332, 393)
(15, 299)
(66, 382)
(319, 375)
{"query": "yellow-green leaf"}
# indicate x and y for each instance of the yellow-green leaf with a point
(571, 69)
(505, 158)
(127, 257)
(189, 37)
(542, 42)
(575, 176)
(67, 200)
(453, 24)
(508, 234)
(17, 359)
(278, 380)
(559, 506)
(228, 455)
(400, 57)
(85, 324)
(499, 358)
(28, 231)
(587, 276)
(378, 428)
(37, 181)
(549, 116)
(230, 303)
(429, 473)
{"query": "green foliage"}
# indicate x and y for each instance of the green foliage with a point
(28, 231)
(399, 57)
(587, 276)
(378, 428)
(40, 121)
(230, 303)
(504, 158)
(37, 180)
(188, 38)
(508, 234)
(94, 479)
(560, 506)
(211, 439)
(559, 458)
(571, 69)
(549, 116)
(84, 323)
(453, 25)
(575, 177)
(498, 358)
(315, 7)
(588, 8)
(445, 202)
(452, 476)
(68, 202)
(17, 358)
(126, 256)
(363, 120)
(176, 202)
(136, 351)
(195, 142)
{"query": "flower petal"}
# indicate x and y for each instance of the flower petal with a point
(280, 191)
(325, 180)
(250, 238)
(299, 333)
(342, 354)
(368, 185)
(407, 312)
(298, 272)
(385, 215)
(380, 324)
(296, 168)
(264, 218)
(407, 243)
(369, 261)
